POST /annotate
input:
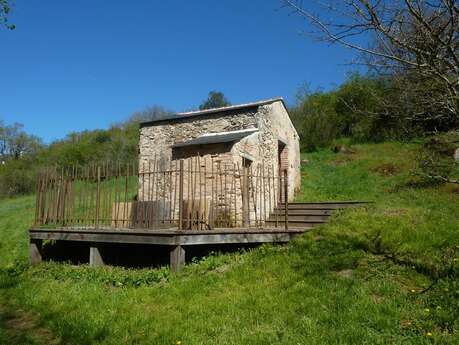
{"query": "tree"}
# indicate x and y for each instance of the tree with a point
(155, 112)
(15, 143)
(414, 41)
(215, 99)
(5, 9)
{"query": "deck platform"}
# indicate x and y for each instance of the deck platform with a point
(176, 239)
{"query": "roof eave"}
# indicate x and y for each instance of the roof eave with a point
(187, 115)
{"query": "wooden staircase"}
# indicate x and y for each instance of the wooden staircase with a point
(308, 214)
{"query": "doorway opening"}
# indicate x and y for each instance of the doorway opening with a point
(282, 160)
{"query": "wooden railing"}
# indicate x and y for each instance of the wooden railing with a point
(189, 194)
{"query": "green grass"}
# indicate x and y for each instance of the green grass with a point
(382, 274)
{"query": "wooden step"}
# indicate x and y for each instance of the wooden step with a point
(307, 212)
(318, 206)
(300, 217)
(348, 202)
(271, 225)
(295, 224)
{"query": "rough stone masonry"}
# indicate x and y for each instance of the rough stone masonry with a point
(258, 135)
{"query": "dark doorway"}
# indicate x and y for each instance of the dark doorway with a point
(282, 160)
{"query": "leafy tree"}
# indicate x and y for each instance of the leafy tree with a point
(18, 177)
(215, 99)
(16, 143)
(351, 110)
(315, 119)
(415, 42)
(5, 9)
(22, 155)
(155, 112)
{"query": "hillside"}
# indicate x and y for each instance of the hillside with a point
(387, 273)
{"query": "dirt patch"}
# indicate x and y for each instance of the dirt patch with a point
(387, 169)
(345, 273)
(222, 268)
(342, 161)
(406, 324)
(453, 189)
(343, 149)
(378, 299)
(395, 212)
(23, 327)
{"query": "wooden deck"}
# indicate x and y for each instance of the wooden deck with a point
(303, 217)
(176, 239)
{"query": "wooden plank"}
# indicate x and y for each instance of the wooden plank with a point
(304, 212)
(164, 239)
(272, 237)
(298, 224)
(303, 218)
(169, 231)
(317, 206)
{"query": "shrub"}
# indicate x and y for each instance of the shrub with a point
(316, 120)
(17, 177)
(435, 161)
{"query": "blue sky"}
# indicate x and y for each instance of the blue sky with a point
(85, 64)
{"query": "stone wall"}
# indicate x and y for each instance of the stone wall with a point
(156, 140)
(260, 147)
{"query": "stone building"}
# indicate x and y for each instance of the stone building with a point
(258, 137)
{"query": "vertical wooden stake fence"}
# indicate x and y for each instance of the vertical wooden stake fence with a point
(286, 198)
(181, 195)
(98, 198)
(130, 196)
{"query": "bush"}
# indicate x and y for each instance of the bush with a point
(364, 109)
(435, 161)
(316, 120)
(17, 177)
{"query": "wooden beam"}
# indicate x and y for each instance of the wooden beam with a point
(177, 258)
(171, 237)
(241, 238)
(109, 237)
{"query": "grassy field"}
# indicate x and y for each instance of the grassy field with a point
(382, 274)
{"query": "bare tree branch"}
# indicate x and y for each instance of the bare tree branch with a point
(414, 39)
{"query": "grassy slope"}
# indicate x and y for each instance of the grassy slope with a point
(366, 278)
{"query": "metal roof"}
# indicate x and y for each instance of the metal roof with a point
(221, 137)
(222, 110)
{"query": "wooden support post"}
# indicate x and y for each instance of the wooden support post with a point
(286, 198)
(180, 195)
(35, 251)
(95, 256)
(177, 257)
(245, 196)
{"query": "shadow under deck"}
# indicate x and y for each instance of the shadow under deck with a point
(174, 238)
